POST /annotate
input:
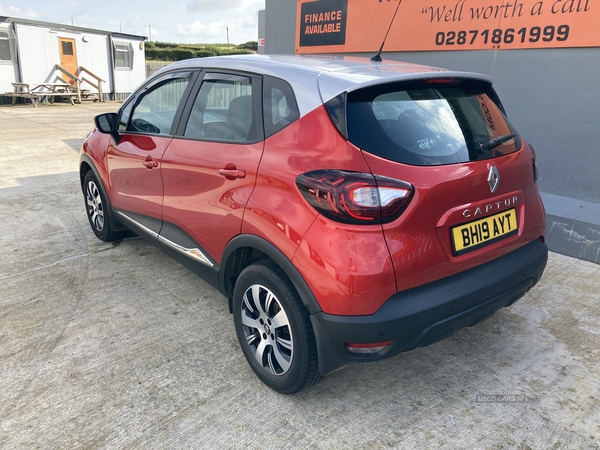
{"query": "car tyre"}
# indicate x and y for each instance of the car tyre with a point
(99, 212)
(274, 329)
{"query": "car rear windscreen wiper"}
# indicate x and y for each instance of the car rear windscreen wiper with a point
(487, 146)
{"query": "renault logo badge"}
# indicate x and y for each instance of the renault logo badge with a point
(493, 179)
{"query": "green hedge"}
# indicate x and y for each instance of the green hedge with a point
(163, 51)
(250, 45)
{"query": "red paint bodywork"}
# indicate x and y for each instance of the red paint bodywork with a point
(203, 203)
(442, 194)
(351, 269)
(277, 211)
(133, 186)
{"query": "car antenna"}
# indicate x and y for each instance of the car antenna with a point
(377, 57)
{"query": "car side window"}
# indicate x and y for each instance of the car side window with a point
(279, 103)
(155, 109)
(223, 110)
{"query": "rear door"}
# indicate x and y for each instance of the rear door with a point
(209, 170)
(146, 128)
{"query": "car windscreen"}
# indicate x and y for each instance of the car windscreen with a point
(430, 123)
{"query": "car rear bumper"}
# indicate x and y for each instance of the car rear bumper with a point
(426, 314)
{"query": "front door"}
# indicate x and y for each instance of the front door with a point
(68, 57)
(134, 163)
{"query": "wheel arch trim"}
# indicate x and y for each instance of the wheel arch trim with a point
(88, 161)
(252, 241)
(115, 225)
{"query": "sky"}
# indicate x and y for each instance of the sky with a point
(180, 21)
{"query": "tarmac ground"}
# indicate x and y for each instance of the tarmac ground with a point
(118, 346)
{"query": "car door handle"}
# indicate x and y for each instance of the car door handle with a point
(150, 164)
(232, 174)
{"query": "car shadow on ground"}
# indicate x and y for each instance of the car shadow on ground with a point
(75, 144)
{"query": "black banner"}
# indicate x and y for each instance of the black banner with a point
(323, 23)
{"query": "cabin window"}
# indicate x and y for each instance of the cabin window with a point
(67, 48)
(123, 52)
(4, 46)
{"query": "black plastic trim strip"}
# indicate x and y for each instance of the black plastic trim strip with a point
(426, 314)
(174, 242)
(174, 237)
(248, 240)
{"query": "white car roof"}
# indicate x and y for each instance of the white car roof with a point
(319, 78)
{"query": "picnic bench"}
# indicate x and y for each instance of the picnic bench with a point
(34, 91)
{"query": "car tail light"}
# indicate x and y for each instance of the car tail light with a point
(534, 163)
(353, 197)
(367, 349)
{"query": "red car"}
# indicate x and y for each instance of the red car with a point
(348, 210)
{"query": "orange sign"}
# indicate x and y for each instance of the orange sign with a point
(345, 26)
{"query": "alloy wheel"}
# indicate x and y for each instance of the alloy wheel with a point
(267, 330)
(95, 209)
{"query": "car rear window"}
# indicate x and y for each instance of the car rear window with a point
(430, 123)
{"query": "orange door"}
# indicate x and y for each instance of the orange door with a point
(68, 57)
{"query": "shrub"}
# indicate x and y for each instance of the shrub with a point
(164, 51)
(250, 45)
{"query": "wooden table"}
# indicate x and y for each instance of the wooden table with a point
(50, 90)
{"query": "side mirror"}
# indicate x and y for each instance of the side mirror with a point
(107, 123)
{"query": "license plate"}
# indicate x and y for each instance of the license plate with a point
(479, 233)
